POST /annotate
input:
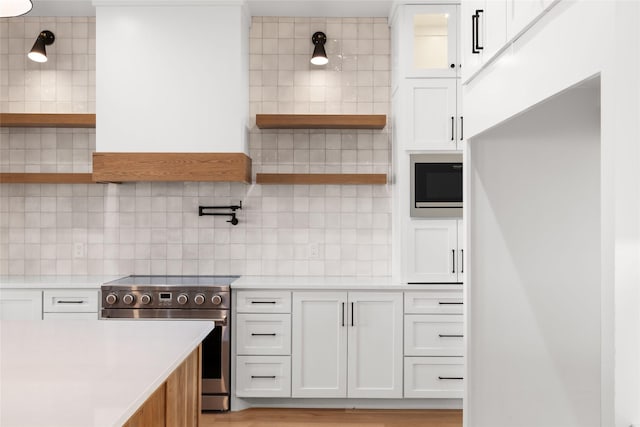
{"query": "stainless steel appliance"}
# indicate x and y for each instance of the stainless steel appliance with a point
(436, 185)
(182, 297)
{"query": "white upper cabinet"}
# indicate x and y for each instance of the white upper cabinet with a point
(520, 13)
(171, 77)
(431, 120)
(427, 41)
(484, 32)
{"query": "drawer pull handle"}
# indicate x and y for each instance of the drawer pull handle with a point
(263, 302)
(450, 378)
(263, 335)
(69, 302)
(272, 377)
(450, 336)
(449, 303)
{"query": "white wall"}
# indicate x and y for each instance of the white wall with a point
(171, 78)
(561, 50)
(534, 322)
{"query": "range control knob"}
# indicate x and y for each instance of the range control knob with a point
(111, 298)
(216, 300)
(128, 299)
(182, 299)
(145, 299)
(198, 299)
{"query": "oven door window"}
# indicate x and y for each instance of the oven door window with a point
(438, 183)
(212, 354)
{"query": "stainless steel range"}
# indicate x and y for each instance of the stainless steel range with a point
(182, 297)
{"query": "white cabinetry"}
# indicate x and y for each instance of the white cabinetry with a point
(431, 120)
(70, 304)
(434, 251)
(433, 344)
(520, 13)
(263, 343)
(347, 344)
(484, 32)
(429, 41)
(20, 304)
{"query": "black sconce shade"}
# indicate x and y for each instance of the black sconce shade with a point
(319, 56)
(38, 52)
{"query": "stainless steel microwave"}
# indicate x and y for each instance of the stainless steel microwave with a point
(436, 185)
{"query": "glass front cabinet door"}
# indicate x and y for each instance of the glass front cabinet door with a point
(429, 41)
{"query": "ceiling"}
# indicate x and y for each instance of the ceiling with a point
(319, 8)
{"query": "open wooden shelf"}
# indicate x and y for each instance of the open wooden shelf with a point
(321, 121)
(130, 167)
(322, 178)
(46, 178)
(30, 120)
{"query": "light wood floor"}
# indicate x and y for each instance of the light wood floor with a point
(257, 417)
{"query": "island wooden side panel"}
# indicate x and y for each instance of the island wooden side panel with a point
(183, 393)
(152, 412)
(177, 401)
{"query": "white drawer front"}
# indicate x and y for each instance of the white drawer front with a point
(431, 335)
(433, 377)
(263, 334)
(70, 301)
(70, 316)
(263, 302)
(434, 302)
(263, 376)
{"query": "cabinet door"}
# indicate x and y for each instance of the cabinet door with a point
(430, 34)
(69, 316)
(484, 32)
(431, 251)
(432, 116)
(20, 305)
(319, 344)
(520, 13)
(375, 345)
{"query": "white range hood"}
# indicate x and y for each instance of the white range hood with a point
(171, 76)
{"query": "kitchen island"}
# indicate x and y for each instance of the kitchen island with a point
(95, 373)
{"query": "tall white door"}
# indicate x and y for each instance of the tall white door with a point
(375, 344)
(319, 344)
(432, 115)
(432, 251)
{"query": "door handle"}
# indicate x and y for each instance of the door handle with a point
(453, 127)
(477, 46)
(461, 128)
(453, 260)
(449, 303)
(263, 335)
(461, 260)
(272, 377)
(474, 31)
(352, 311)
(450, 378)
(342, 314)
(450, 336)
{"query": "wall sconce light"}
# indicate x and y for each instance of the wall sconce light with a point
(11, 8)
(319, 56)
(38, 52)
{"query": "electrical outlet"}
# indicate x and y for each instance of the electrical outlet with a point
(314, 251)
(79, 250)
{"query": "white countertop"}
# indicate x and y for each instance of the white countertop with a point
(87, 373)
(55, 282)
(325, 282)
